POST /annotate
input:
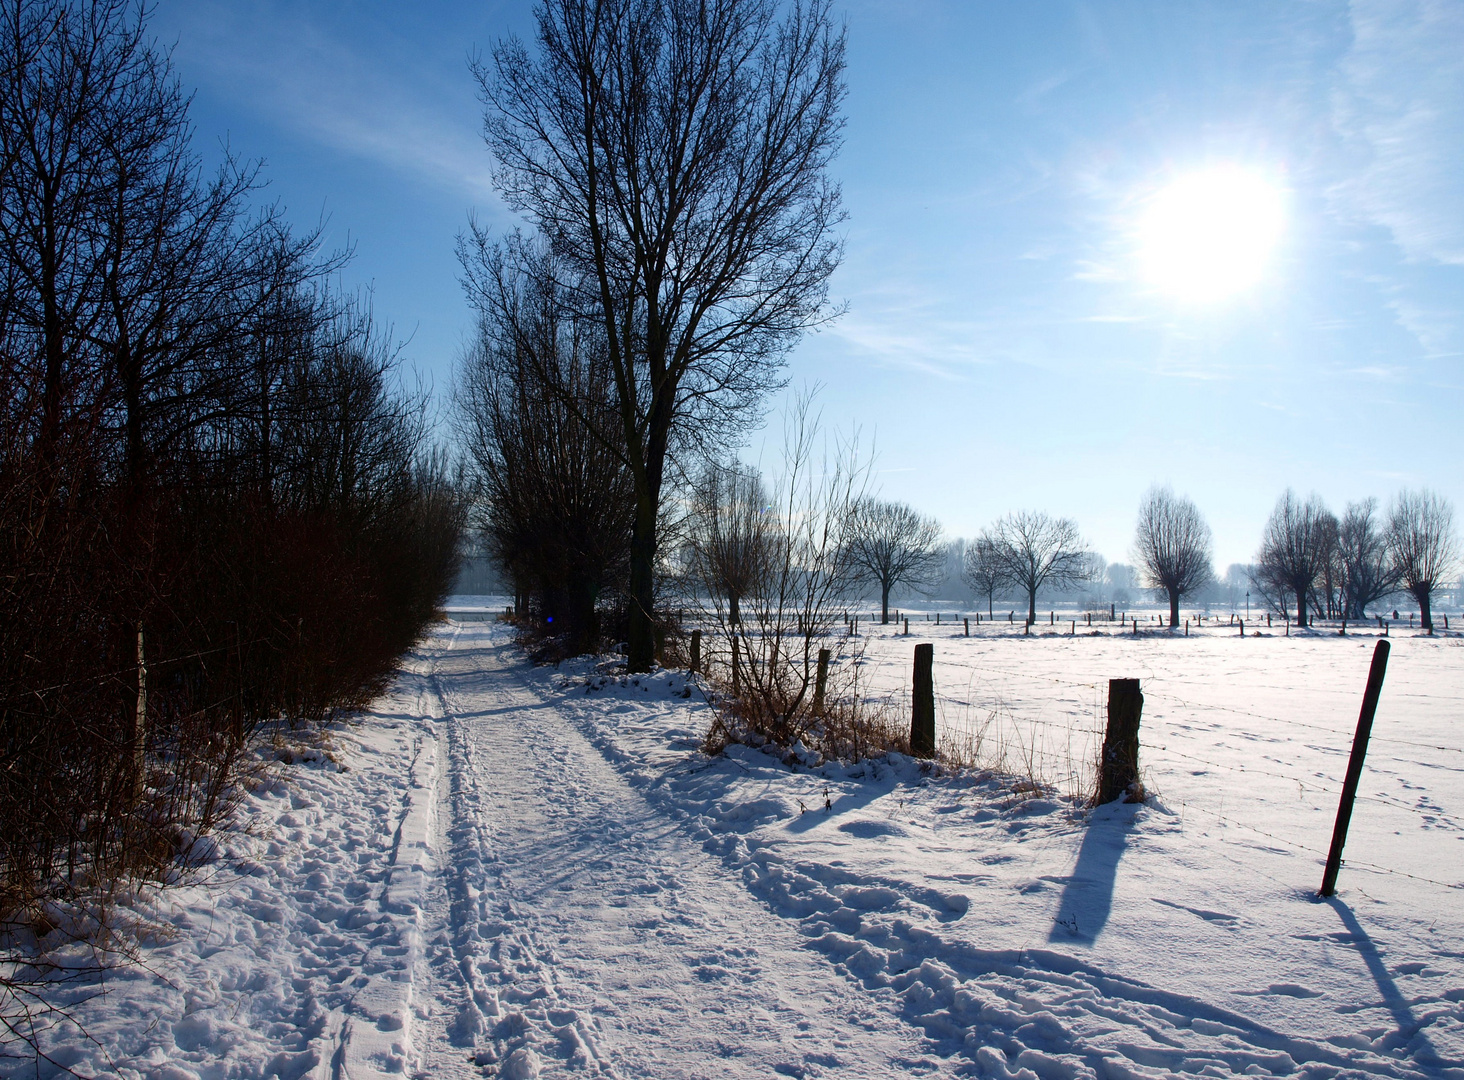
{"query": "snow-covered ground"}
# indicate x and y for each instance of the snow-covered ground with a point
(526, 871)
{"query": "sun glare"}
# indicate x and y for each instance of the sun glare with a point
(1210, 235)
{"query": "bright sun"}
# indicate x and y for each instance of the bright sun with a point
(1211, 234)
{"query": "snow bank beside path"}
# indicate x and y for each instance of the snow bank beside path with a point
(1036, 940)
(294, 953)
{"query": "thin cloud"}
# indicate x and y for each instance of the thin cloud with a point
(1400, 108)
(282, 65)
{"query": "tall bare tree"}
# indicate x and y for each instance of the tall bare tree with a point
(1172, 546)
(889, 544)
(1294, 548)
(674, 152)
(1035, 550)
(1422, 544)
(1362, 549)
(982, 570)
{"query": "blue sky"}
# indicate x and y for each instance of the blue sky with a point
(1008, 343)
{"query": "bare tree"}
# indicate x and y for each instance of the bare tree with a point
(797, 581)
(1368, 574)
(674, 153)
(1173, 546)
(890, 544)
(1035, 550)
(1293, 551)
(1422, 544)
(733, 534)
(555, 510)
(982, 570)
(1327, 590)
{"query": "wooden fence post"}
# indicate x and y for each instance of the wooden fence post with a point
(968, 625)
(1242, 628)
(1375, 675)
(821, 682)
(695, 651)
(922, 711)
(1118, 769)
(907, 626)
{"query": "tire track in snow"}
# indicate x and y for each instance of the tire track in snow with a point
(589, 933)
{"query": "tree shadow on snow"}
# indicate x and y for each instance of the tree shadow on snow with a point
(1087, 895)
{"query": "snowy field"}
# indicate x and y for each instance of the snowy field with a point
(511, 871)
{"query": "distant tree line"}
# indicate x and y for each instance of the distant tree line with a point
(1310, 563)
(217, 504)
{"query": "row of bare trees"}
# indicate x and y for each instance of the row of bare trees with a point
(1310, 562)
(217, 503)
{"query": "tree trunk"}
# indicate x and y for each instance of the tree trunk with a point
(884, 604)
(641, 640)
(1031, 606)
(1300, 607)
(1425, 609)
(1173, 608)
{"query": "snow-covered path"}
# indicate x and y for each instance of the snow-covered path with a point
(581, 924)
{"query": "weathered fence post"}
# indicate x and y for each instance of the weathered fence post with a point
(1242, 628)
(1136, 626)
(1118, 769)
(821, 682)
(695, 651)
(1110, 611)
(907, 627)
(1074, 628)
(1354, 765)
(968, 625)
(922, 711)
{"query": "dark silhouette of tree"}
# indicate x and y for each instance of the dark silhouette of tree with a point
(983, 571)
(1294, 547)
(1422, 545)
(553, 500)
(1173, 547)
(674, 154)
(889, 544)
(1034, 550)
(1367, 570)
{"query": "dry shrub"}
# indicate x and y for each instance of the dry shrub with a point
(850, 727)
